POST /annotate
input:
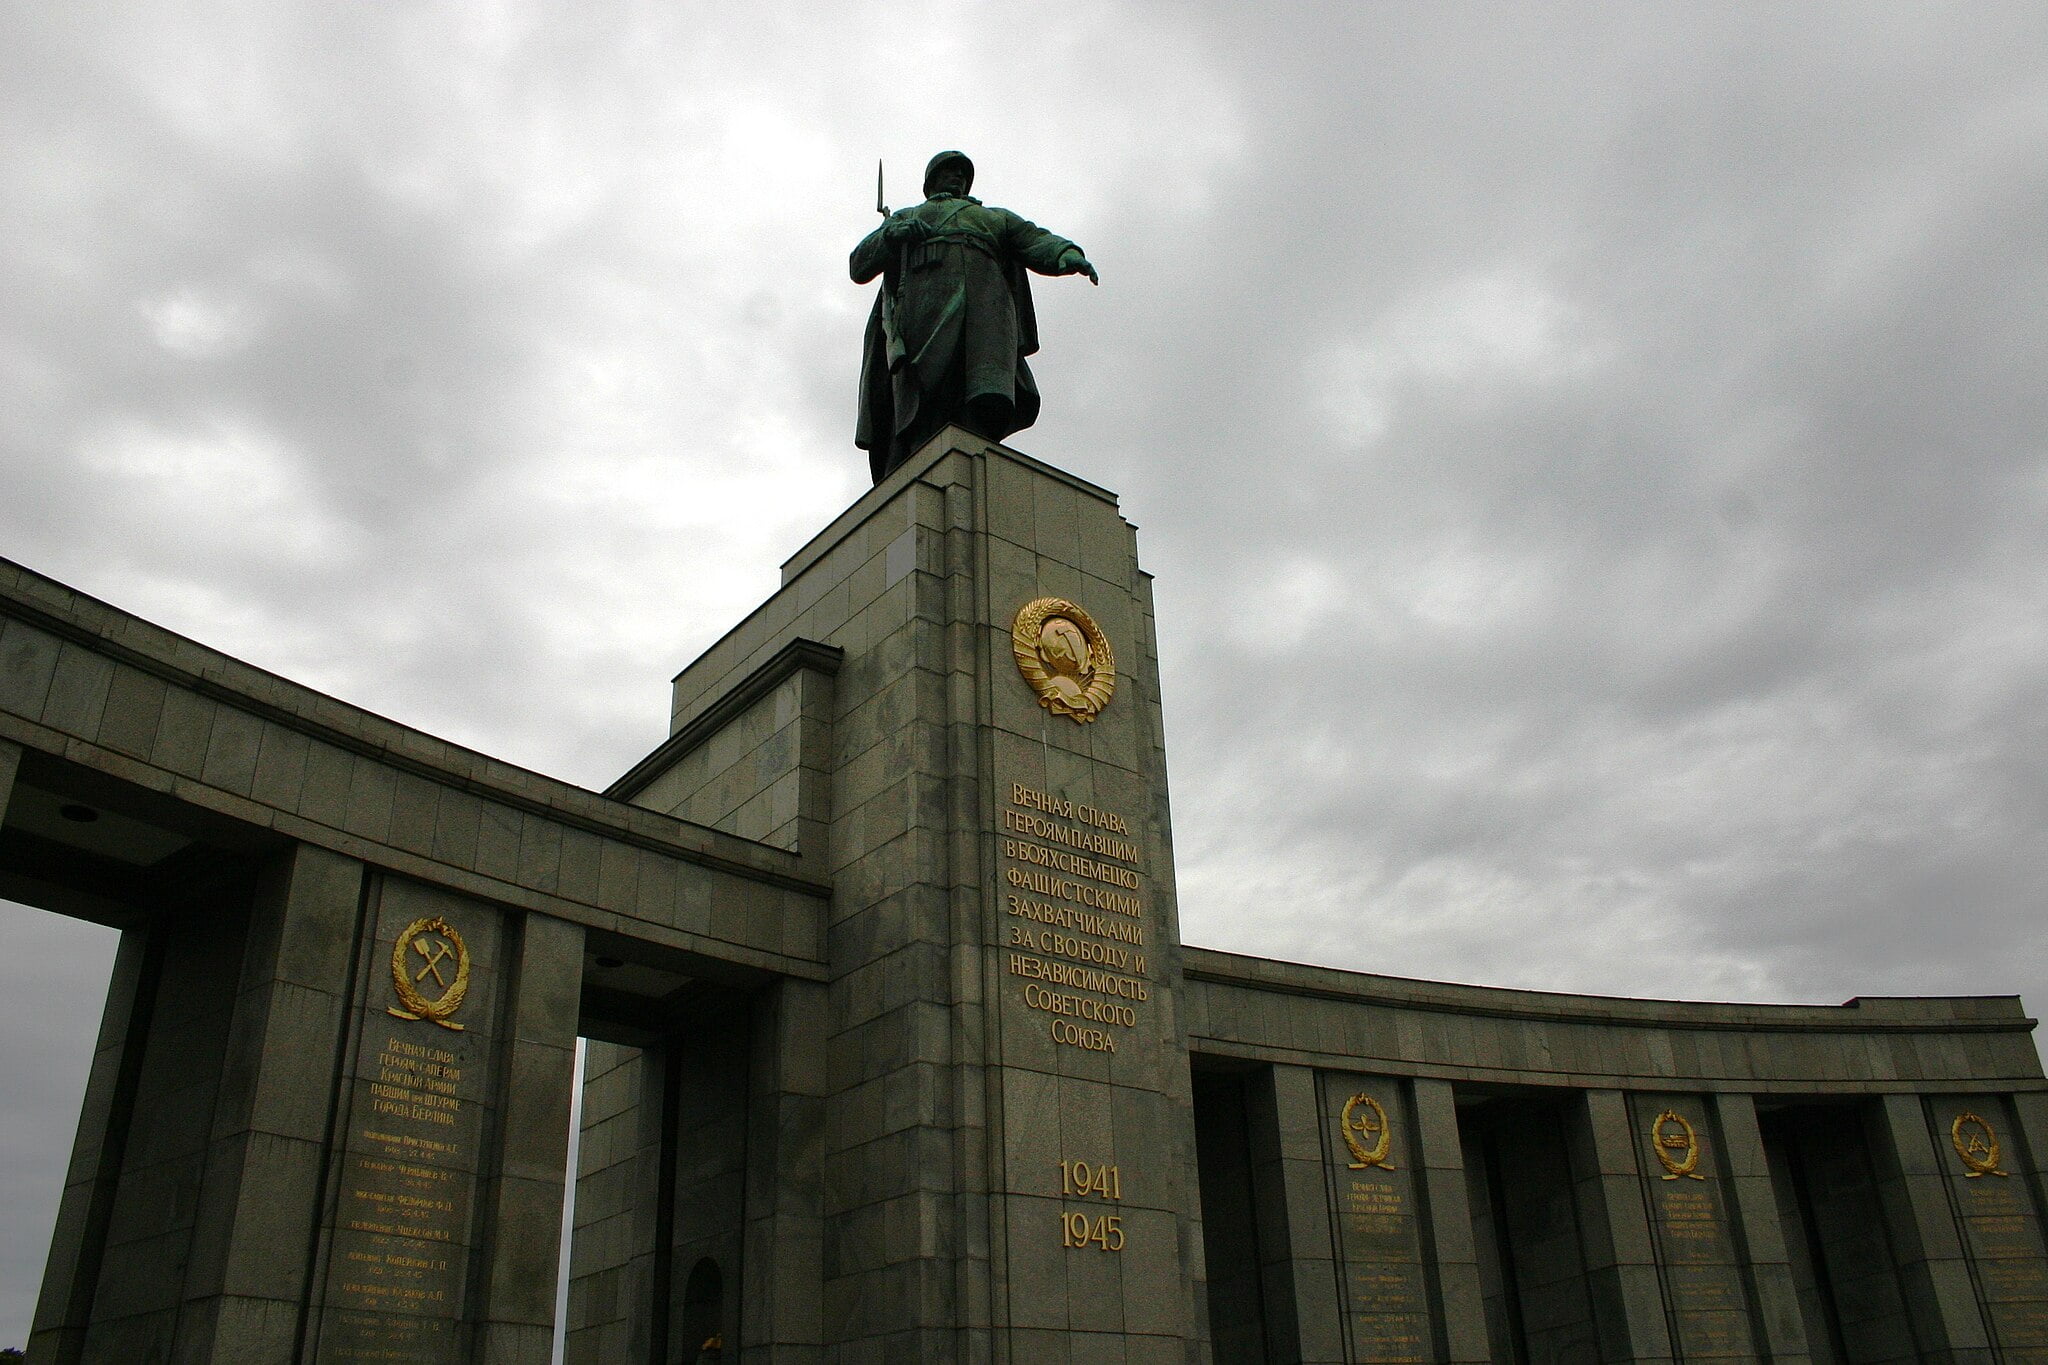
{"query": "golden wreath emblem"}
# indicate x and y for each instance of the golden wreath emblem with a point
(442, 956)
(1364, 1120)
(1977, 1145)
(1677, 1146)
(1065, 657)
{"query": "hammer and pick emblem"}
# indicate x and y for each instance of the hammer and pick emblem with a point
(435, 955)
(439, 949)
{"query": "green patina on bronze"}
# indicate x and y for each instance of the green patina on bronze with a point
(953, 323)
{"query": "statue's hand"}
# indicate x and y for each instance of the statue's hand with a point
(1079, 266)
(904, 231)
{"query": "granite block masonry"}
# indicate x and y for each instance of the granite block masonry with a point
(893, 1051)
(1007, 1122)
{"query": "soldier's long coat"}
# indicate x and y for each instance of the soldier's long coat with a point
(953, 322)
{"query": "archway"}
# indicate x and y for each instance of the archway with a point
(703, 1314)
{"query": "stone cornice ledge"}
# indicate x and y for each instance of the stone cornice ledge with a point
(797, 654)
(949, 440)
(1879, 1014)
(68, 614)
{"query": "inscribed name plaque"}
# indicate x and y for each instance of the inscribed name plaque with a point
(2001, 1223)
(1682, 1178)
(1369, 1152)
(406, 1182)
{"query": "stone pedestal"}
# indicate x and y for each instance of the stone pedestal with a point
(1008, 1139)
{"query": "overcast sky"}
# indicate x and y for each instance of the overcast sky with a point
(1594, 458)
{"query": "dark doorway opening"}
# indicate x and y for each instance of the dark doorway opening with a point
(1230, 1225)
(703, 1314)
(1525, 1224)
(1832, 1213)
(661, 1176)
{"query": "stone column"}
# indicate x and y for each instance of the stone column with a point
(782, 1309)
(618, 1205)
(10, 763)
(523, 1199)
(2029, 1161)
(1759, 1234)
(1449, 1213)
(2030, 1110)
(1932, 1265)
(1008, 1123)
(1291, 1194)
(192, 1208)
(259, 1208)
(1074, 957)
(1621, 1263)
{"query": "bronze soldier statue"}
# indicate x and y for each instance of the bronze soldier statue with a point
(952, 325)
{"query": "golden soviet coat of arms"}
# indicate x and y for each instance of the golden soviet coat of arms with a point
(1065, 657)
(1364, 1122)
(1677, 1146)
(429, 951)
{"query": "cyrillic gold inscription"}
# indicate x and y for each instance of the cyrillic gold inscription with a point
(1088, 892)
(1079, 949)
(1030, 798)
(1080, 1007)
(1087, 1039)
(1066, 917)
(1088, 841)
(1024, 851)
(1081, 978)
(416, 1082)
(1047, 885)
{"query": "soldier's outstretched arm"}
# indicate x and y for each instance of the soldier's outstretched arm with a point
(1045, 252)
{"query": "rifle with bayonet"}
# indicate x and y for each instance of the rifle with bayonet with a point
(892, 340)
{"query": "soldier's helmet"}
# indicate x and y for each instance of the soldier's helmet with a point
(931, 168)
